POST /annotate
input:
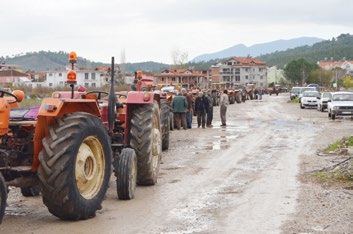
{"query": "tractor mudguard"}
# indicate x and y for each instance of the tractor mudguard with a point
(52, 109)
(142, 97)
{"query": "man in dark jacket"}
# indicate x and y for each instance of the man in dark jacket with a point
(180, 105)
(189, 108)
(201, 107)
(210, 109)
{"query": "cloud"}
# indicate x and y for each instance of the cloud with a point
(150, 30)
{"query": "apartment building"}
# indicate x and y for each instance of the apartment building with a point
(86, 78)
(240, 71)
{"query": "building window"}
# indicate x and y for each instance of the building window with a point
(93, 85)
(93, 76)
(60, 74)
(246, 77)
(162, 79)
(61, 83)
(261, 77)
(39, 85)
(86, 85)
(50, 74)
(50, 84)
(173, 79)
(86, 76)
(237, 78)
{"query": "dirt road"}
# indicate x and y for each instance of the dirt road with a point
(242, 178)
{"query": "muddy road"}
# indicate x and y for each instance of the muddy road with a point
(242, 178)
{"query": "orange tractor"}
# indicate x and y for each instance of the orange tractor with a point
(66, 148)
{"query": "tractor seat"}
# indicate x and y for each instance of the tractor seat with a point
(24, 114)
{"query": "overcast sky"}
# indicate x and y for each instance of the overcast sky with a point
(149, 30)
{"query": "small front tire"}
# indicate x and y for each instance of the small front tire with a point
(126, 173)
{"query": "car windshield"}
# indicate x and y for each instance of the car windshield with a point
(310, 94)
(326, 95)
(343, 97)
(306, 89)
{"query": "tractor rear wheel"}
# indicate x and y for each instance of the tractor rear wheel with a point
(3, 197)
(126, 171)
(145, 139)
(165, 124)
(75, 166)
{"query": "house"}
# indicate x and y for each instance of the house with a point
(182, 77)
(240, 71)
(13, 77)
(275, 75)
(84, 77)
(344, 64)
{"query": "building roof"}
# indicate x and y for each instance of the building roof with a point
(328, 65)
(245, 61)
(12, 73)
(179, 73)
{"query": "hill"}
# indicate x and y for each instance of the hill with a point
(241, 50)
(335, 49)
(47, 60)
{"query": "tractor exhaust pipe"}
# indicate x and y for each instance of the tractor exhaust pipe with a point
(111, 100)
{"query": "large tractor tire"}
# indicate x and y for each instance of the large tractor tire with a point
(145, 139)
(238, 97)
(125, 168)
(31, 191)
(3, 197)
(75, 166)
(231, 99)
(171, 120)
(165, 124)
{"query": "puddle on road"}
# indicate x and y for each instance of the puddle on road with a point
(225, 135)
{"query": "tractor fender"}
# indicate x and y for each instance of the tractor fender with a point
(52, 109)
(140, 97)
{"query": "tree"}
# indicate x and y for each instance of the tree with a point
(321, 77)
(179, 58)
(297, 71)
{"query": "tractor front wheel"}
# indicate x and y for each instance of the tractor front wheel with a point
(3, 197)
(75, 166)
(125, 168)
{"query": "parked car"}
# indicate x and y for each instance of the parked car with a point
(303, 89)
(322, 105)
(310, 99)
(316, 86)
(294, 92)
(341, 104)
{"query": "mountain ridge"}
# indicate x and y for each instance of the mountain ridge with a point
(241, 50)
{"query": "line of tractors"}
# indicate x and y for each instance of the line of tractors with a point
(66, 148)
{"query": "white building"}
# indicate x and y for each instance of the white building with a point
(275, 75)
(241, 71)
(87, 78)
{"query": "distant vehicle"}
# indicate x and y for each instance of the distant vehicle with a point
(315, 86)
(341, 104)
(303, 89)
(310, 99)
(322, 105)
(294, 92)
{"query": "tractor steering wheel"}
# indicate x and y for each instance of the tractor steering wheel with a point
(3, 92)
(100, 93)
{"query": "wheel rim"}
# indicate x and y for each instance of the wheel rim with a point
(89, 167)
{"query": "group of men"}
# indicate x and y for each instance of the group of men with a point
(183, 109)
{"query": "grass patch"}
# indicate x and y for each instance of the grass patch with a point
(295, 100)
(28, 102)
(344, 143)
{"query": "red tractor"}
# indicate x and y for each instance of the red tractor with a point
(65, 148)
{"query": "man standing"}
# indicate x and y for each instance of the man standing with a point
(179, 105)
(223, 102)
(201, 107)
(189, 107)
(210, 109)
